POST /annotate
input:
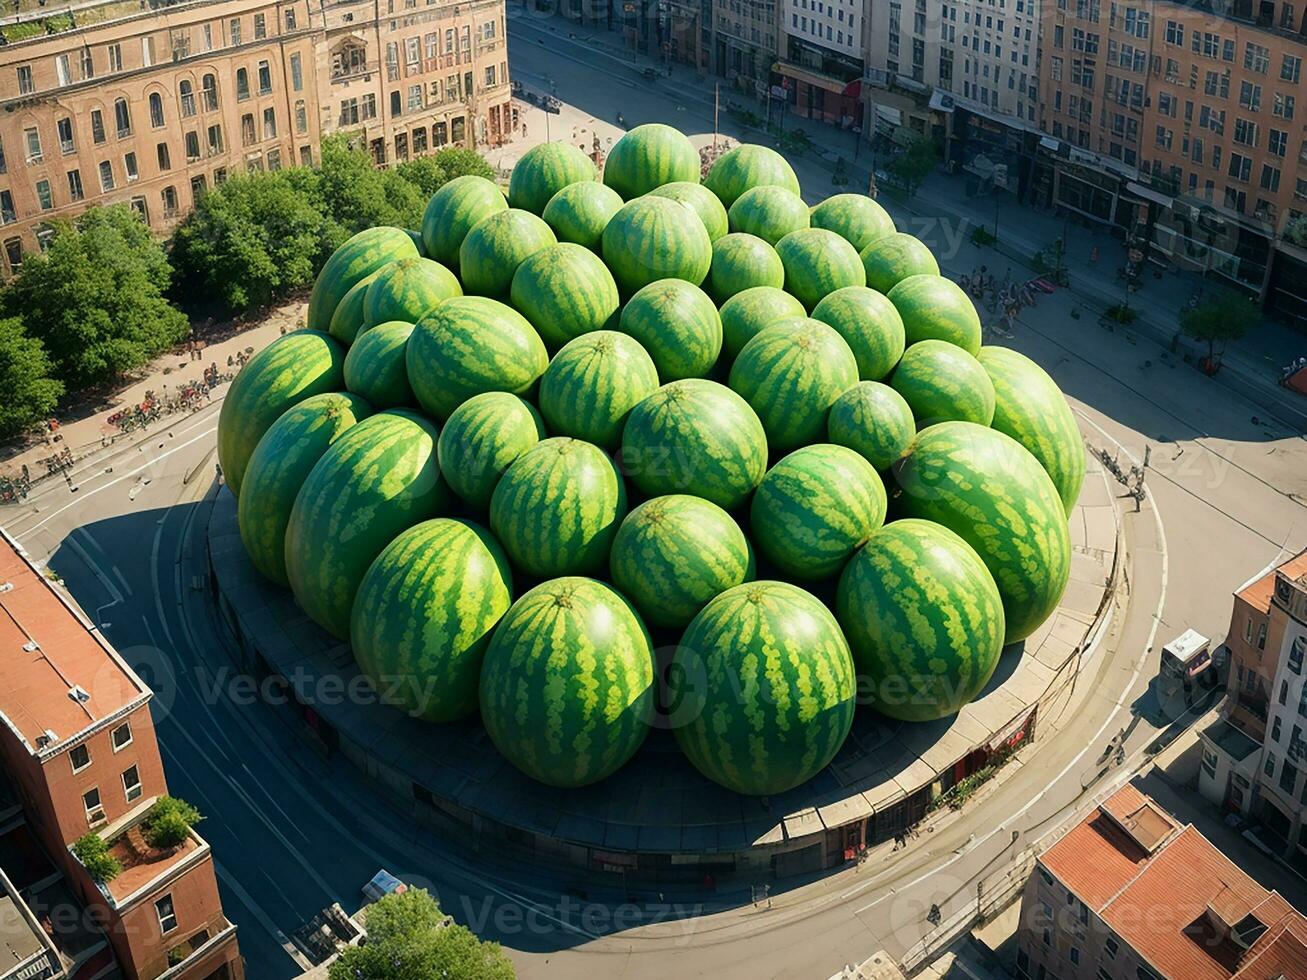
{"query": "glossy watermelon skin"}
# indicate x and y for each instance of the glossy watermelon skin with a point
(856, 218)
(870, 324)
(278, 468)
(769, 212)
(543, 171)
(673, 554)
(356, 259)
(818, 262)
(565, 291)
(290, 369)
(1031, 408)
(480, 441)
(702, 201)
(469, 345)
(592, 384)
(653, 238)
(993, 493)
(935, 308)
(678, 325)
(406, 289)
(815, 508)
(579, 213)
(741, 261)
(648, 157)
(347, 320)
(557, 508)
(454, 210)
(874, 421)
(496, 246)
(747, 166)
(423, 616)
(766, 688)
(923, 618)
(791, 373)
(943, 383)
(379, 478)
(697, 437)
(748, 312)
(375, 367)
(889, 260)
(567, 684)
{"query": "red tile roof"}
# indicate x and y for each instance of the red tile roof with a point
(1258, 592)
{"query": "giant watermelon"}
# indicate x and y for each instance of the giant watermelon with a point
(891, 259)
(702, 201)
(592, 384)
(817, 262)
(769, 212)
(579, 213)
(870, 324)
(543, 171)
(741, 261)
(406, 289)
(480, 441)
(944, 383)
(935, 308)
(744, 167)
(496, 246)
(454, 210)
(347, 320)
(357, 259)
(565, 291)
(567, 684)
(748, 312)
(856, 218)
(678, 325)
(923, 618)
(874, 421)
(764, 688)
(375, 366)
(648, 157)
(654, 238)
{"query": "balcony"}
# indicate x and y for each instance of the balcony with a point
(185, 955)
(346, 73)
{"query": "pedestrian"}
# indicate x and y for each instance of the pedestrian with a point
(1093, 255)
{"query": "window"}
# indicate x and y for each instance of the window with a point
(1256, 58)
(147, 51)
(169, 196)
(301, 117)
(1245, 132)
(1282, 106)
(13, 248)
(209, 90)
(396, 105)
(234, 30)
(75, 191)
(1284, 691)
(1278, 144)
(165, 161)
(106, 175)
(1250, 96)
(129, 168)
(1275, 729)
(219, 176)
(274, 159)
(88, 64)
(94, 809)
(247, 129)
(242, 84)
(97, 126)
(192, 146)
(63, 74)
(64, 127)
(269, 123)
(1240, 166)
(215, 139)
(265, 78)
(1270, 180)
(7, 214)
(163, 907)
(296, 73)
(122, 118)
(1288, 777)
(156, 110)
(187, 93)
(414, 98)
(1296, 653)
(1209, 763)
(132, 784)
(290, 19)
(198, 187)
(25, 86)
(1268, 767)
(1175, 33)
(1261, 637)
(80, 756)
(115, 53)
(1075, 955)
(32, 137)
(306, 155)
(260, 26)
(1291, 68)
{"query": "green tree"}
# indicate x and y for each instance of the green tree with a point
(456, 161)
(30, 393)
(93, 852)
(424, 173)
(252, 240)
(409, 940)
(357, 195)
(95, 299)
(1218, 319)
(915, 163)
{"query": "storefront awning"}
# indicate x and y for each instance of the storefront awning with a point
(828, 83)
(941, 101)
(1148, 194)
(889, 114)
(1050, 144)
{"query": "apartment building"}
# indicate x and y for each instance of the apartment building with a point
(78, 756)
(669, 30)
(744, 42)
(821, 61)
(1129, 893)
(119, 102)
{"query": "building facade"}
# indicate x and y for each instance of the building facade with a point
(116, 103)
(744, 42)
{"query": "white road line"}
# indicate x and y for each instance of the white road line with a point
(256, 910)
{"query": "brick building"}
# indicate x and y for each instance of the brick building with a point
(114, 102)
(78, 755)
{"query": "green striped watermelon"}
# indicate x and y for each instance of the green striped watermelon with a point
(741, 261)
(764, 688)
(565, 291)
(749, 311)
(935, 308)
(287, 371)
(557, 508)
(747, 166)
(567, 685)
(923, 619)
(423, 616)
(791, 373)
(871, 325)
(702, 201)
(358, 258)
(377, 479)
(454, 210)
(1031, 408)
(988, 488)
(280, 465)
(648, 157)
(592, 384)
(468, 345)
(889, 260)
(347, 320)
(874, 421)
(416, 238)
(480, 441)
(579, 213)
(678, 325)
(496, 246)
(815, 508)
(654, 238)
(543, 171)
(856, 218)
(817, 262)
(943, 383)
(674, 553)
(407, 289)
(375, 366)
(697, 437)
(770, 212)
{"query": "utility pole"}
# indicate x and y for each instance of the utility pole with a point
(716, 107)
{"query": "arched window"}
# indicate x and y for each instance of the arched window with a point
(209, 86)
(242, 84)
(187, 92)
(156, 110)
(122, 117)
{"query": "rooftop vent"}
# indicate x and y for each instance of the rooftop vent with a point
(1248, 930)
(78, 694)
(31, 646)
(46, 738)
(6, 586)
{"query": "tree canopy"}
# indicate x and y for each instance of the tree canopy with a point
(1218, 318)
(30, 393)
(358, 195)
(915, 163)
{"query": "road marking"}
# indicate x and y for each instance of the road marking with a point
(246, 899)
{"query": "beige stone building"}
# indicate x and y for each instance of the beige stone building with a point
(120, 102)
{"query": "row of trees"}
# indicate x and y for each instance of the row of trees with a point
(105, 297)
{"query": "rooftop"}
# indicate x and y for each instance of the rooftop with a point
(1230, 740)
(1257, 591)
(61, 676)
(143, 865)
